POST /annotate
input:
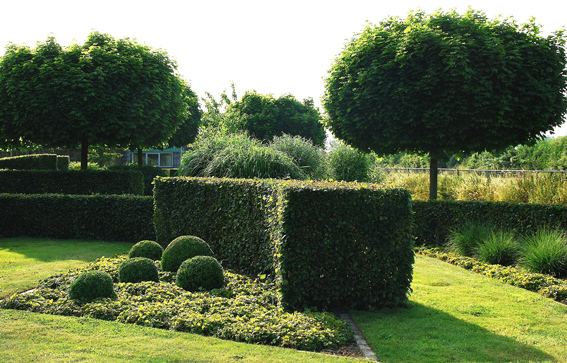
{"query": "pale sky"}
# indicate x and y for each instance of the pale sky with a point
(268, 46)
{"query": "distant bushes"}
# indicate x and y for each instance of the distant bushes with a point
(35, 162)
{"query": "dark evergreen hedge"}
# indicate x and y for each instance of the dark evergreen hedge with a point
(333, 245)
(434, 219)
(111, 218)
(35, 162)
(72, 182)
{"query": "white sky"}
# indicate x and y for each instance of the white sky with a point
(263, 45)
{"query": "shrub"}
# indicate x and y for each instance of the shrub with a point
(92, 285)
(138, 269)
(465, 239)
(148, 249)
(200, 273)
(310, 158)
(183, 248)
(149, 172)
(348, 164)
(499, 248)
(545, 251)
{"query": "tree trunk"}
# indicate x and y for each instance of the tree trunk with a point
(84, 153)
(433, 179)
(140, 157)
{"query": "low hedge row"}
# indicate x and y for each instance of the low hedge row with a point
(72, 182)
(434, 219)
(545, 285)
(332, 245)
(36, 162)
(111, 218)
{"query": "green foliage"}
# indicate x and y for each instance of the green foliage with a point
(137, 269)
(149, 172)
(434, 219)
(445, 84)
(90, 286)
(345, 245)
(464, 240)
(349, 164)
(545, 251)
(499, 248)
(148, 249)
(543, 284)
(311, 159)
(246, 310)
(101, 217)
(265, 117)
(237, 156)
(35, 162)
(71, 182)
(200, 273)
(69, 96)
(183, 248)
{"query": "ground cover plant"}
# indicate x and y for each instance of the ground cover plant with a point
(245, 310)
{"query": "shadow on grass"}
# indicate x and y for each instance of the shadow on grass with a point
(50, 250)
(423, 334)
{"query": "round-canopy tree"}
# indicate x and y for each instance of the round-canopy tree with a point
(265, 117)
(445, 84)
(108, 92)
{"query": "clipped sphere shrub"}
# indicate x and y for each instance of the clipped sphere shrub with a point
(183, 248)
(147, 249)
(92, 285)
(138, 269)
(200, 273)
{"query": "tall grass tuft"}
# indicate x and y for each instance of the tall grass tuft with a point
(545, 251)
(349, 164)
(499, 247)
(310, 158)
(465, 239)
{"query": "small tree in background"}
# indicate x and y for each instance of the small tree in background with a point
(113, 92)
(446, 84)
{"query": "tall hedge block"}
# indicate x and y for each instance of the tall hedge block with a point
(100, 217)
(434, 219)
(72, 182)
(333, 245)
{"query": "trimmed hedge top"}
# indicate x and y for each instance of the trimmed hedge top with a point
(35, 162)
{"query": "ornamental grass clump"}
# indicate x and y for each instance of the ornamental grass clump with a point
(500, 248)
(90, 286)
(200, 273)
(138, 269)
(545, 251)
(147, 249)
(183, 248)
(465, 240)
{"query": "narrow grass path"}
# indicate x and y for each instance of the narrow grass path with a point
(455, 315)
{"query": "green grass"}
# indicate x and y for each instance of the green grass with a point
(26, 261)
(457, 315)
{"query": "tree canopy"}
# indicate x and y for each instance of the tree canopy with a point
(445, 84)
(107, 92)
(265, 116)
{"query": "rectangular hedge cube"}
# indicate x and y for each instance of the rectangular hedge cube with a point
(332, 245)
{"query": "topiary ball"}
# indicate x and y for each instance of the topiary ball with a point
(200, 273)
(148, 249)
(138, 269)
(183, 248)
(92, 285)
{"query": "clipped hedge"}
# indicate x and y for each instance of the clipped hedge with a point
(72, 182)
(100, 217)
(434, 219)
(333, 245)
(35, 162)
